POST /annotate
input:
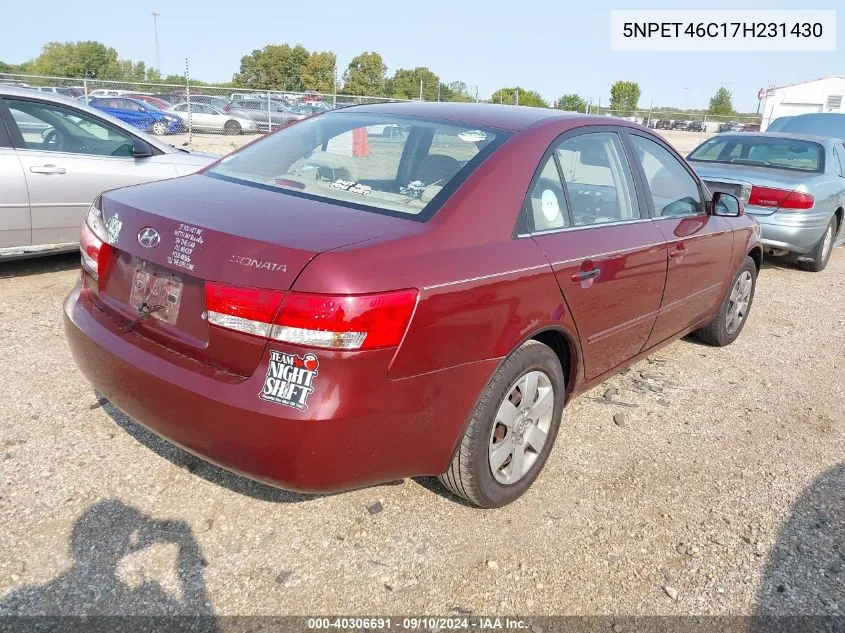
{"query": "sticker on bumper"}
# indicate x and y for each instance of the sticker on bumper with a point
(290, 379)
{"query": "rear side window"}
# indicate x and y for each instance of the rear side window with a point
(402, 166)
(546, 202)
(839, 152)
(674, 192)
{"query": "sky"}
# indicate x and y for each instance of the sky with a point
(550, 46)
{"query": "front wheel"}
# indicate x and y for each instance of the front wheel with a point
(232, 128)
(512, 429)
(733, 313)
(159, 128)
(817, 258)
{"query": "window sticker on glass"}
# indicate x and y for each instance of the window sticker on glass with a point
(472, 136)
(549, 205)
(352, 187)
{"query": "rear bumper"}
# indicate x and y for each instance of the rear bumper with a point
(360, 428)
(797, 232)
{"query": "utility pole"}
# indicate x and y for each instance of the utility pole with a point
(155, 15)
(517, 96)
(421, 84)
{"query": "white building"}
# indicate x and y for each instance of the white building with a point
(818, 95)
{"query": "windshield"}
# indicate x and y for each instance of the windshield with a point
(402, 166)
(762, 151)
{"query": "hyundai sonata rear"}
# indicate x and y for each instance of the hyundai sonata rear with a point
(191, 315)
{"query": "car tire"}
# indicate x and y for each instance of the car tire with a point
(728, 324)
(816, 260)
(159, 128)
(471, 473)
(232, 128)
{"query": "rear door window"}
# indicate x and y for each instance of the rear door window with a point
(598, 179)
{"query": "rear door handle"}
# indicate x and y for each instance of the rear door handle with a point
(678, 252)
(584, 275)
(48, 169)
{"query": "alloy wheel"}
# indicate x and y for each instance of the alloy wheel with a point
(739, 300)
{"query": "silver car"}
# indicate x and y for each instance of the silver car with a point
(793, 184)
(207, 118)
(56, 156)
(279, 114)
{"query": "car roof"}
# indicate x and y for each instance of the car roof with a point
(506, 117)
(60, 99)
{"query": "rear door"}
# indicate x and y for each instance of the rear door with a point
(607, 254)
(699, 245)
(72, 160)
(15, 225)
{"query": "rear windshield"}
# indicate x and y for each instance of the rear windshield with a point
(401, 166)
(778, 153)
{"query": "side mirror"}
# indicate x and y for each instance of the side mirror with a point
(140, 148)
(726, 205)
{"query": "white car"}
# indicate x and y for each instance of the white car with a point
(57, 155)
(207, 118)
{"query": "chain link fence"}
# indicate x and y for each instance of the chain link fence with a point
(208, 118)
(220, 119)
(686, 120)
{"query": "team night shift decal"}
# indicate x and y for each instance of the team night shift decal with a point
(290, 378)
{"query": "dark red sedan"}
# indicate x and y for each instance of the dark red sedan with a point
(333, 307)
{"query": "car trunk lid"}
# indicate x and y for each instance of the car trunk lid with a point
(738, 180)
(171, 238)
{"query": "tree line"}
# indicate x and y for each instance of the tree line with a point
(294, 68)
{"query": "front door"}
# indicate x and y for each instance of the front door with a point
(15, 228)
(700, 245)
(68, 159)
(608, 256)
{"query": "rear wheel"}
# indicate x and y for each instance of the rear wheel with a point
(232, 128)
(512, 429)
(159, 128)
(817, 259)
(733, 313)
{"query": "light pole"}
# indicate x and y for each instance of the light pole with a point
(155, 15)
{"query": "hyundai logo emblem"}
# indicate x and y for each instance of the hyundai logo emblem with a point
(148, 237)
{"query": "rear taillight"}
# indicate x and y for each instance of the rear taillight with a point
(96, 252)
(351, 322)
(780, 198)
(249, 310)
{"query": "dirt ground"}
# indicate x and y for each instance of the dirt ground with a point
(701, 481)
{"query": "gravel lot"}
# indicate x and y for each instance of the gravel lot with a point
(701, 481)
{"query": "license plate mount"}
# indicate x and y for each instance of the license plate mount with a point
(158, 295)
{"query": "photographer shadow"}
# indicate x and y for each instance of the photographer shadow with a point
(102, 537)
(803, 584)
